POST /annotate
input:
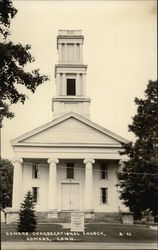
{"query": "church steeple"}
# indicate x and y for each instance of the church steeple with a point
(70, 74)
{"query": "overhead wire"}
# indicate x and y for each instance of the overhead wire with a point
(95, 170)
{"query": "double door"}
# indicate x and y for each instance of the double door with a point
(70, 196)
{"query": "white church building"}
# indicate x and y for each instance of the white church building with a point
(70, 163)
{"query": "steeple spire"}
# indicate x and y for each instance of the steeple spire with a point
(70, 74)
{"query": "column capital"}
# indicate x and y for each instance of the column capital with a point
(53, 160)
(89, 160)
(19, 160)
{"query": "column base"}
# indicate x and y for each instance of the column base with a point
(11, 215)
(89, 214)
(127, 217)
(52, 214)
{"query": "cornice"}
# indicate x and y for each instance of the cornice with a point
(71, 99)
(81, 145)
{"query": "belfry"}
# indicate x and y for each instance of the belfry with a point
(70, 74)
(70, 163)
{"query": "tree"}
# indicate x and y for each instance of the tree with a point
(27, 219)
(6, 173)
(14, 58)
(139, 176)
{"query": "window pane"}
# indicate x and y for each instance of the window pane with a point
(71, 87)
(35, 171)
(103, 195)
(103, 172)
(70, 171)
(35, 194)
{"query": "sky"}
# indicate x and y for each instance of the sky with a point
(120, 49)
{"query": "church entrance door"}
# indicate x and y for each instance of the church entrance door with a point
(70, 196)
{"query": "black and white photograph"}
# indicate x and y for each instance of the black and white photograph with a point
(78, 124)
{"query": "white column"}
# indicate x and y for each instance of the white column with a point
(89, 184)
(58, 90)
(65, 53)
(64, 84)
(78, 84)
(75, 59)
(60, 52)
(17, 184)
(84, 84)
(81, 53)
(52, 191)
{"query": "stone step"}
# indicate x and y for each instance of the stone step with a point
(107, 217)
(65, 217)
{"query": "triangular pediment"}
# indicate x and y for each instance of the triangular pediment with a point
(70, 129)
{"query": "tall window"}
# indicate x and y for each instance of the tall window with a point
(35, 194)
(70, 170)
(71, 87)
(103, 195)
(103, 172)
(35, 171)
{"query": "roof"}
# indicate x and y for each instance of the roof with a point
(70, 128)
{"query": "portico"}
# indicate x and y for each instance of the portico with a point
(56, 191)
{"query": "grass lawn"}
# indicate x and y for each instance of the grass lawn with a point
(93, 233)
